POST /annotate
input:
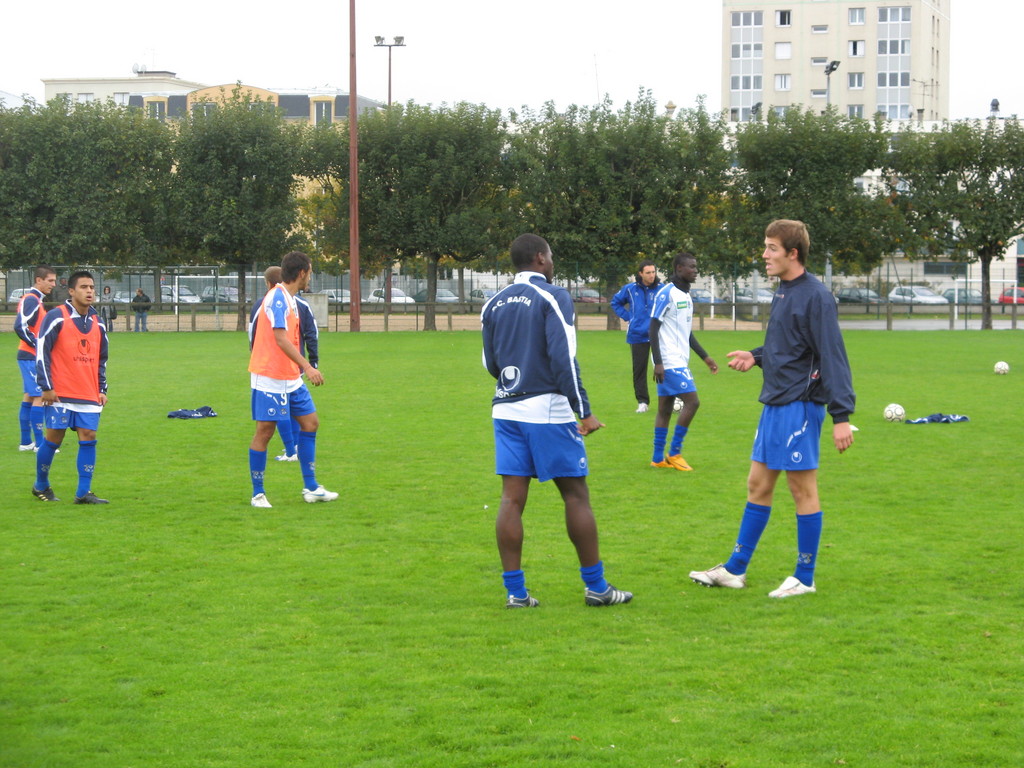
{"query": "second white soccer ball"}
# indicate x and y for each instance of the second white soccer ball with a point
(894, 412)
(677, 406)
(1002, 367)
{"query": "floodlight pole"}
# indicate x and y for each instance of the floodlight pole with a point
(831, 67)
(353, 172)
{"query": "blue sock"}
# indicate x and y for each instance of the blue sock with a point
(257, 466)
(284, 428)
(44, 457)
(307, 459)
(37, 423)
(808, 537)
(660, 438)
(755, 518)
(677, 440)
(86, 466)
(593, 577)
(25, 419)
(515, 583)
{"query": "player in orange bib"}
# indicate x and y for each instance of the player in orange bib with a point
(276, 367)
(71, 371)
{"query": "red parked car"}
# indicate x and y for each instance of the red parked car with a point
(1012, 296)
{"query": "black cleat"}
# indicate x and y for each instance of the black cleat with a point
(90, 498)
(610, 596)
(44, 495)
(521, 602)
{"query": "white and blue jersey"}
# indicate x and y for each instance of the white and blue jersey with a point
(673, 308)
(530, 349)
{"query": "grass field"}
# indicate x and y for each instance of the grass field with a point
(180, 627)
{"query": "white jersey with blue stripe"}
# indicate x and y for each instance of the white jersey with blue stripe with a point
(673, 308)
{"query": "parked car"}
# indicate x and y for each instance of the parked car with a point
(1012, 296)
(586, 296)
(224, 294)
(397, 297)
(184, 295)
(962, 295)
(444, 296)
(481, 295)
(123, 297)
(915, 294)
(701, 296)
(336, 295)
(16, 295)
(858, 296)
(764, 296)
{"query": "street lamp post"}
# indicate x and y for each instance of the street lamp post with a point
(831, 67)
(399, 42)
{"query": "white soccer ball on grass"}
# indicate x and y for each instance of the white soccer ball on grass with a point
(894, 412)
(1002, 367)
(677, 405)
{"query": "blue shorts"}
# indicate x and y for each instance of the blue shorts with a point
(789, 436)
(678, 381)
(59, 417)
(28, 377)
(543, 451)
(281, 406)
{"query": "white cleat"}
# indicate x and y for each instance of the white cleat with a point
(318, 494)
(285, 457)
(719, 577)
(261, 500)
(27, 447)
(641, 408)
(792, 586)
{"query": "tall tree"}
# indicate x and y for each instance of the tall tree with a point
(607, 188)
(433, 183)
(235, 184)
(961, 189)
(804, 166)
(83, 184)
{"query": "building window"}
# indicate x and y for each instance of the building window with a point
(818, 93)
(818, 61)
(855, 80)
(893, 47)
(157, 110)
(782, 82)
(819, 29)
(747, 50)
(203, 109)
(781, 112)
(857, 48)
(893, 14)
(85, 98)
(324, 112)
(748, 19)
(121, 99)
(855, 110)
(783, 18)
(856, 16)
(783, 50)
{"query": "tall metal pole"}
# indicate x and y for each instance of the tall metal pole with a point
(353, 175)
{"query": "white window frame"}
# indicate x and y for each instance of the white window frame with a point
(857, 49)
(783, 51)
(856, 17)
(783, 82)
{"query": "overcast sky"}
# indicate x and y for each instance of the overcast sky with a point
(504, 55)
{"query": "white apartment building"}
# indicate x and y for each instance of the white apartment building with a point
(861, 56)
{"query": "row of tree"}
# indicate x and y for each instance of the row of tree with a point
(237, 185)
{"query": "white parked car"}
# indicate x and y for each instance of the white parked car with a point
(184, 295)
(397, 297)
(915, 294)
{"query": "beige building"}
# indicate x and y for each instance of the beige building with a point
(862, 56)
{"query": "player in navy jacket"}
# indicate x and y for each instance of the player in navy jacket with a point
(530, 349)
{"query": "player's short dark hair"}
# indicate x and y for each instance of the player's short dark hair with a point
(76, 276)
(42, 272)
(680, 257)
(792, 234)
(292, 264)
(525, 247)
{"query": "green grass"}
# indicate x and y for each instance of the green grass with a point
(180, 627)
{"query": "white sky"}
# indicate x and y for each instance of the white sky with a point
(504, 55)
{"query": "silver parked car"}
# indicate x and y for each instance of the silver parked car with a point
(915, 294)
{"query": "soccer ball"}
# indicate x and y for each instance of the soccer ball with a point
(894, 412)
(1002, 367)
(677, 405)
